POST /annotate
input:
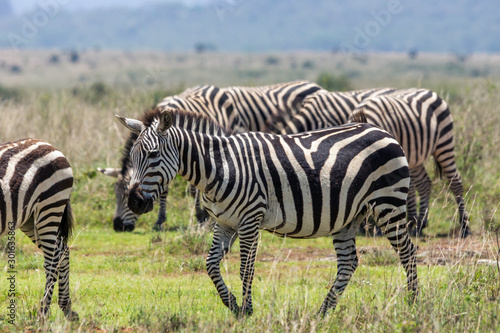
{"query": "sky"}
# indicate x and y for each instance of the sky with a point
(21, 6)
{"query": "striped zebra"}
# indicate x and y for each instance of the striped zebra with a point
(321, 110)
(240, 109)
(254, 106)
(418, 118)
(36, 182)
(421, 122)
(314, 184)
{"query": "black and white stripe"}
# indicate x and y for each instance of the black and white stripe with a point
(321, 110)
(36, 182)
(421, 122)
(418, 118)
(254, 106)
(240, 109)
(314, 184)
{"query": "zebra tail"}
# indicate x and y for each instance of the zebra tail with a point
(438, 170)
(358, 116)
(67, 224)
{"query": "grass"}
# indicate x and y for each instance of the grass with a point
(144, 281)
(133, 282)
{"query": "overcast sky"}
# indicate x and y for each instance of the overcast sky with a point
(22, 6)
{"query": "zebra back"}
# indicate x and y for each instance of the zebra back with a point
(33, 174)
(320, 110)
(418, 118)
(256, 105)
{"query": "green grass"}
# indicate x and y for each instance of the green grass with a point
(144, 281)
(136, 282)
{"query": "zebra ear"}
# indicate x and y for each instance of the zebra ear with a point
(112, 172)
(132, 124)
(165, 122)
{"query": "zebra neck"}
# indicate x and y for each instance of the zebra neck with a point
(204, 162)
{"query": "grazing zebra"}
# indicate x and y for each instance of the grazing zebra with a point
(36, 182)
(314, 184)
(418, 118)
(240, 109)
(421, 122)
(204, 99)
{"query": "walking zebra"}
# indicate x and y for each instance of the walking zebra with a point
(418, 118)
(421, 122)
(36, 182)
(314, 184)
(240, 109)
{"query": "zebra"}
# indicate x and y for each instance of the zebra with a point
(36, 182)
(313, 184)
(320, 110)
(240, 109)
(206, 99)
(255, 105)
(421, 122)
(399, 112)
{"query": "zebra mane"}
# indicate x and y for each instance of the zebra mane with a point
(189, 120)
(181, 118)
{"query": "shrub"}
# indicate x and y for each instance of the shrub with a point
(9, 94)
(334, 83)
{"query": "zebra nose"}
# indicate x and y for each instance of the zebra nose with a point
(139, 201)
(120, 226)
(117, 224)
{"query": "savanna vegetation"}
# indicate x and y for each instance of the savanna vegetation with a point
(146, 281)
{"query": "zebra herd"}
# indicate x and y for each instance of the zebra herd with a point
(292, 159)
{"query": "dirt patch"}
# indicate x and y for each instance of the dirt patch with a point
(431, 251)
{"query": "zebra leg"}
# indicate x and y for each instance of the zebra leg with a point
(347, 262)
(456, 187)
(392, 222)
(249, 240)
(47, 243)
(201, 214)
(64, 299)
(222, 242)
(411, 205)
(423, 184)
(445, 158)
(162, 213)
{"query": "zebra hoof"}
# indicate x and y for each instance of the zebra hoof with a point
(43, 314)
(73, 316)
(246, 311)
(464, 232)
(416, 232)
(158, 227)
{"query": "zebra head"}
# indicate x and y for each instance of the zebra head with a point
(123, 219)
(154, 157)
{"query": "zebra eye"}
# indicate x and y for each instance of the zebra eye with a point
(154, 154)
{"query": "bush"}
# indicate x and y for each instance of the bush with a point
(334, 83)
(54, 59)
(272, 60)
(95, 93)
(74, 57)
(9, 94)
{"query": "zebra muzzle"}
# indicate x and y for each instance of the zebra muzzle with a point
(139, 201)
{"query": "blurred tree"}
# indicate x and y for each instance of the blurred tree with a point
(412, 53)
